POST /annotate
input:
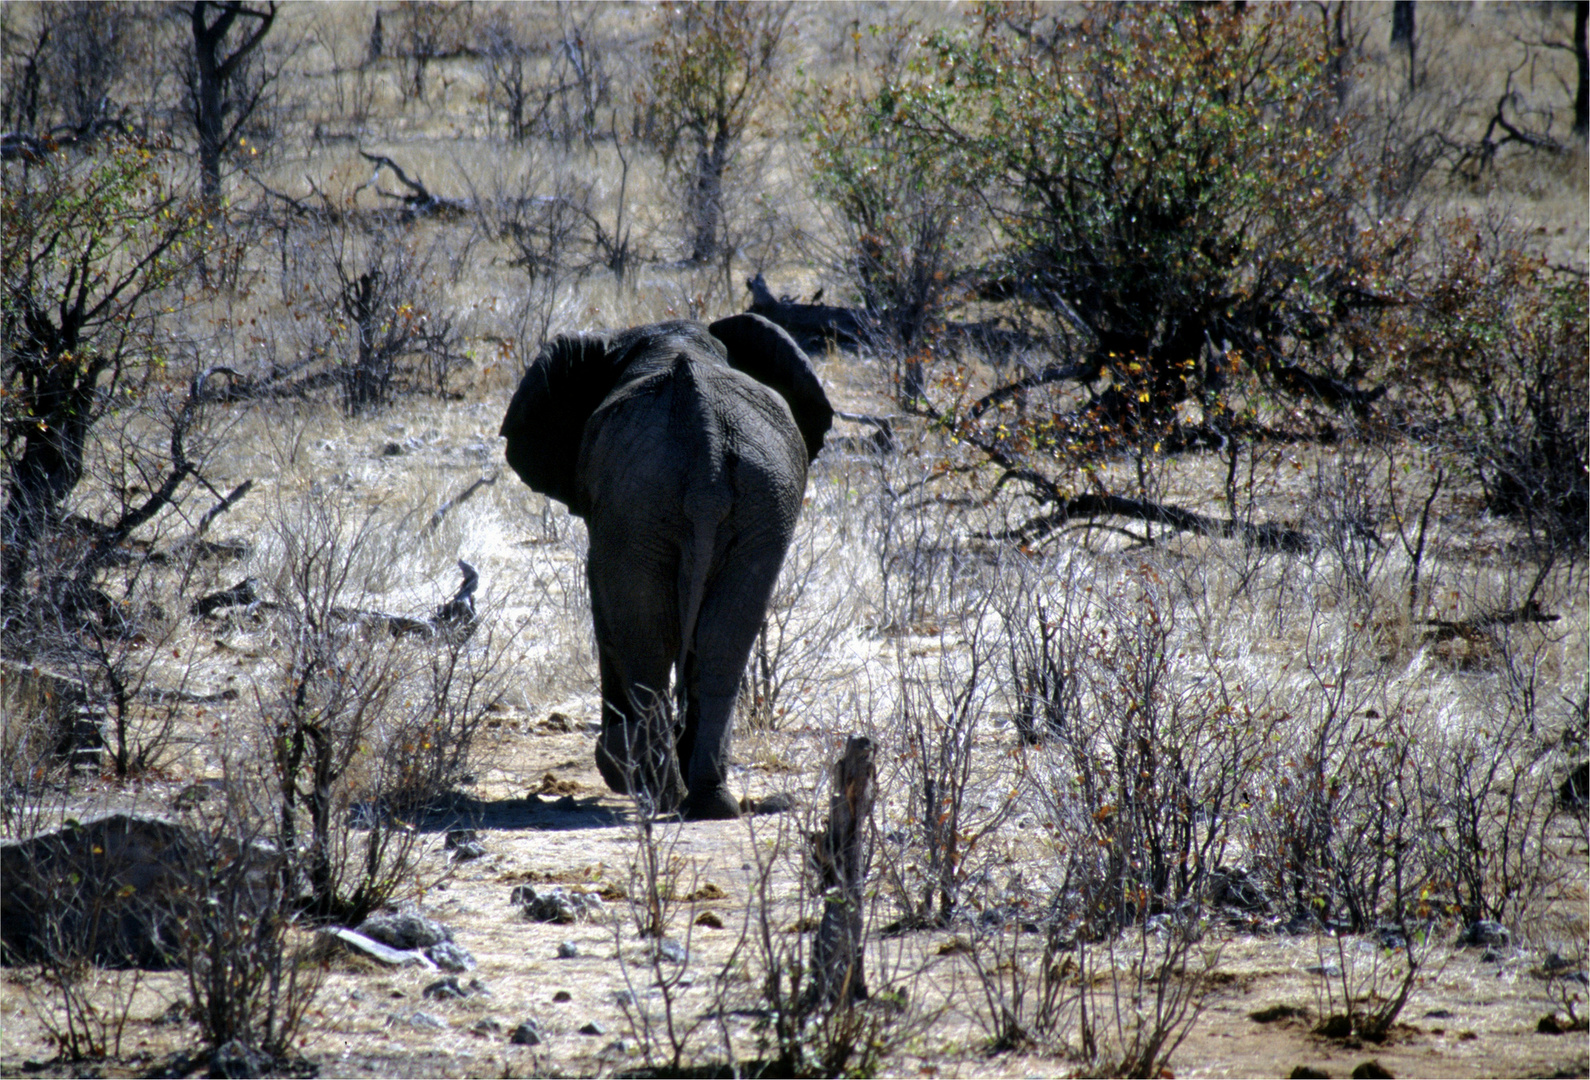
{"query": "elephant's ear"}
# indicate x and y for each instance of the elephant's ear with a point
(546, 418)
(769, 355)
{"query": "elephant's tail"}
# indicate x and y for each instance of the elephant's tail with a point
(694, 566)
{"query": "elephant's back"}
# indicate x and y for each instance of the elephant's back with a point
(691, 439)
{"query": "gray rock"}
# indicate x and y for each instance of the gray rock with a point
(593, 1028)
(1486, 932)
(554, 904)
(234, 1060)
(1231, 887)
(464, 845)
(670, 951)
(527, 1034)
(115, 889)
(568, 950)
(487, 1027)
(426, 1020)
(1323, 970)
(375, 950)
(445, 990)
(404, 930)
(450, 956)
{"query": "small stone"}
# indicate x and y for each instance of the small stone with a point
(487, 1027)
(1487, 932)
(710, 919)
(568, 950)
(554, 904)
(526, 1034)
(464, 845)
(1308, 1072)
(444, 990)
(426, 1020)
(1371, 1070)
(235, 1059)
(450, 956)
(625, 999)
(562, 996)
(1323, 970)
(671, 951)
(404, 930)
(478, 989)
(393, 449)
(593, 1028)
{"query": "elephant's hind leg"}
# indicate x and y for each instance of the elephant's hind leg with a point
(635, 752)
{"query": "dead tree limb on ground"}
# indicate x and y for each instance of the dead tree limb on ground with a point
(419, 202)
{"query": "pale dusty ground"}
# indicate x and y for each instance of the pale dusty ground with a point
(1466, 1018)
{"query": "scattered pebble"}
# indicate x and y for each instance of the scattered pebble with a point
(527, 1033)
(593, 1028)
(568, 950)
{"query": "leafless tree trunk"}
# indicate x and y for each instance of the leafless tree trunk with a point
(1581, 99)
(841, 855)
(214, 72)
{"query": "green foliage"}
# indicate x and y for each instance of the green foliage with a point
(711, 68)
(1160, 176)
(907, 210)
(93, 249)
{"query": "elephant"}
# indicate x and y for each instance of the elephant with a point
(684, 448)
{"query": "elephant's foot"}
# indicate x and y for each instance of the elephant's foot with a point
(615, 772)
(713, 804)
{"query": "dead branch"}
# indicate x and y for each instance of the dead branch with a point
(1265, 536)
(419, 202)
(1476, 626)
(456, 500)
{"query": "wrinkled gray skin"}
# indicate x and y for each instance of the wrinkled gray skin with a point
(685, 450)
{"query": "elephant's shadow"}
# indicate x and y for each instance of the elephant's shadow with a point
(463, 811)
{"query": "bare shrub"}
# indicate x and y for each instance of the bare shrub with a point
(359, 723)
(1142, 993)
(248, 979)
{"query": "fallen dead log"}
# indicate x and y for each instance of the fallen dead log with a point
(1265, 536)
(812, 326)
(453, 621)
(1478, 625)
(419, 202)
(840, 856)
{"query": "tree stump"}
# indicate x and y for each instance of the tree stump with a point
(840, 856)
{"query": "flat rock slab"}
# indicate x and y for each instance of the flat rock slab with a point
(114, 889)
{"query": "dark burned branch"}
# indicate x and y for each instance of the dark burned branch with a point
(442, 511)
(1269, 537)
(232, 498)
(1052, 373)
(242, 594)
(1333, 392)
(882, 440)
(1477, 625)
(420, 202)
(811, 325)
(454, 620)
(112, 536)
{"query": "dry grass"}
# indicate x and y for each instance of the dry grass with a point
(887, 600)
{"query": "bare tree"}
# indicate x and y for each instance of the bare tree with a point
(221, 100)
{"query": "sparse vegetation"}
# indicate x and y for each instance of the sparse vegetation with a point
(1212, 594)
